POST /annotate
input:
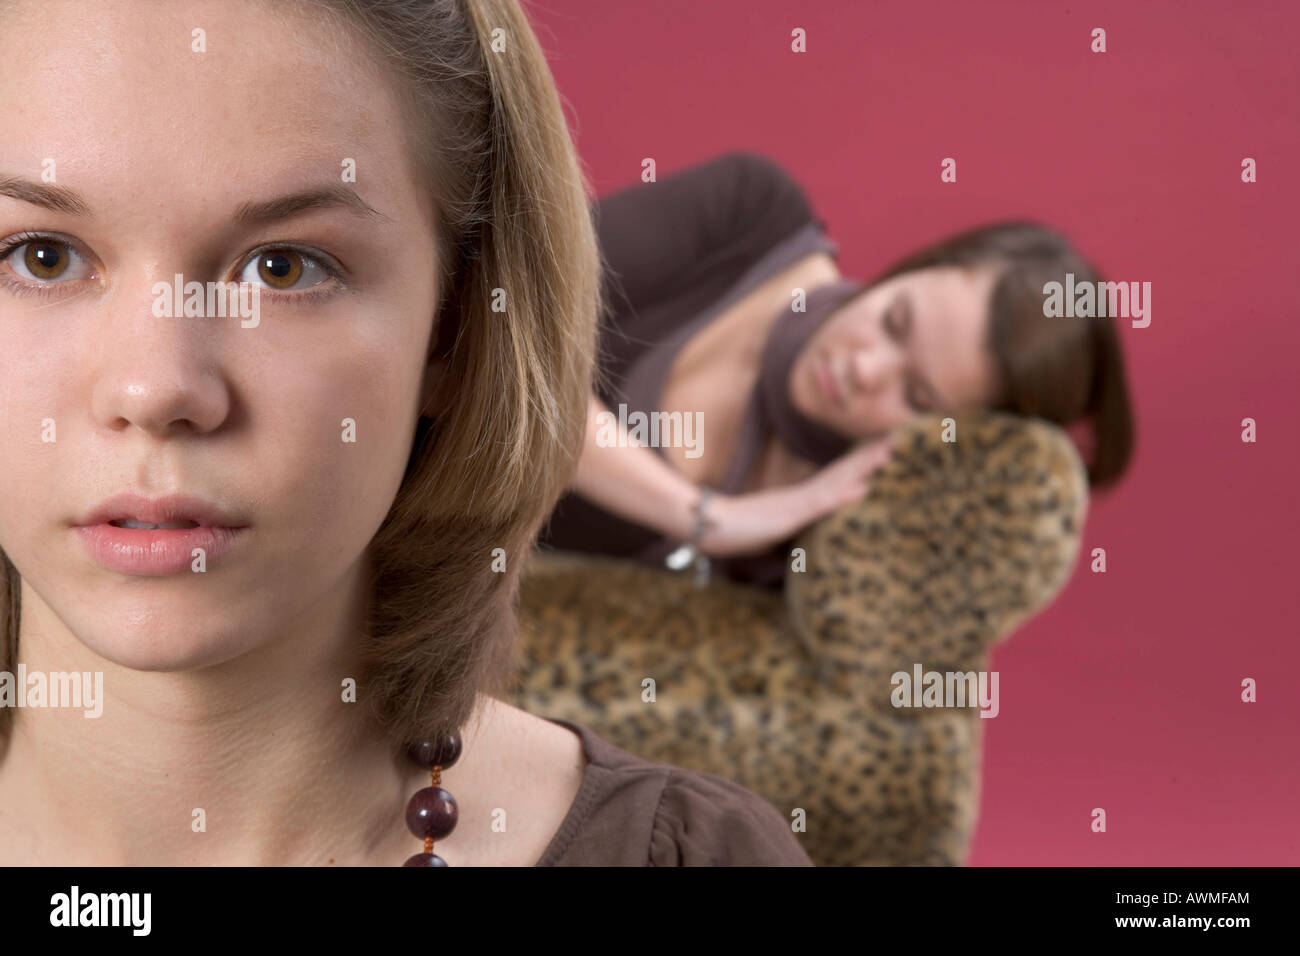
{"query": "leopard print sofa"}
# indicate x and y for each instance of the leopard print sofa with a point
(788, 693)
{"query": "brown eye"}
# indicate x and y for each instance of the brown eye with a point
(45, 260)
(280, 268)
(285, 269)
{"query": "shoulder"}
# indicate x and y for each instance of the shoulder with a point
(758, 168)
(706, 820)
(765, 181)
(632, 812)
(525, 764)
(742, 186)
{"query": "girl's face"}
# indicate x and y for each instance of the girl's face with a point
(912, 345)
(210, 139)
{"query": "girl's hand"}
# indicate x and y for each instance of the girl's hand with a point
(753, 522)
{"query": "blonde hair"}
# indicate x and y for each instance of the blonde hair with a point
(490, 134)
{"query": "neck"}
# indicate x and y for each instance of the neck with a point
(254, 761)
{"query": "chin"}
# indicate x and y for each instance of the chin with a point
(140, 629)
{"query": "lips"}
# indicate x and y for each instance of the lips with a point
(827, 380)
(183, 510)
(146, 526)
(183, 534)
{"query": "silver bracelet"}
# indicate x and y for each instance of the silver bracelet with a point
(690, 555)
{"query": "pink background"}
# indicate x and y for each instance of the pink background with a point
(1125, 693)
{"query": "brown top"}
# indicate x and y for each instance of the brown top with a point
(630, 812)
(679, 253)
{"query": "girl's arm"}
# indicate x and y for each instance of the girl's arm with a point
(634, 482)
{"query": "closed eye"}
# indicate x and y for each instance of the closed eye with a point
(898, 323)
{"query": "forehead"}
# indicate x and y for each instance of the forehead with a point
(950, 292)
(126, 107)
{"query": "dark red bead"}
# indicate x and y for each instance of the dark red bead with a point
(432, 812)
(436, 753)
(425, 859)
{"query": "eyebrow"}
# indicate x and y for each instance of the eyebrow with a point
(938, 402)
(282, 207)
(64, 200)
(57, 198)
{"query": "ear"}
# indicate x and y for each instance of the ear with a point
(436, 391)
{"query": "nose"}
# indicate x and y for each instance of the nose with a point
(159, 373)
(873, 366)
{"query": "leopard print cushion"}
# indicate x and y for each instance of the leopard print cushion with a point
(788, 694)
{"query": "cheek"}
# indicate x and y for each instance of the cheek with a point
(339, 421)
(35, 431)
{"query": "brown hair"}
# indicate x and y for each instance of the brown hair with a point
(1061, 370)
(489, 133)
